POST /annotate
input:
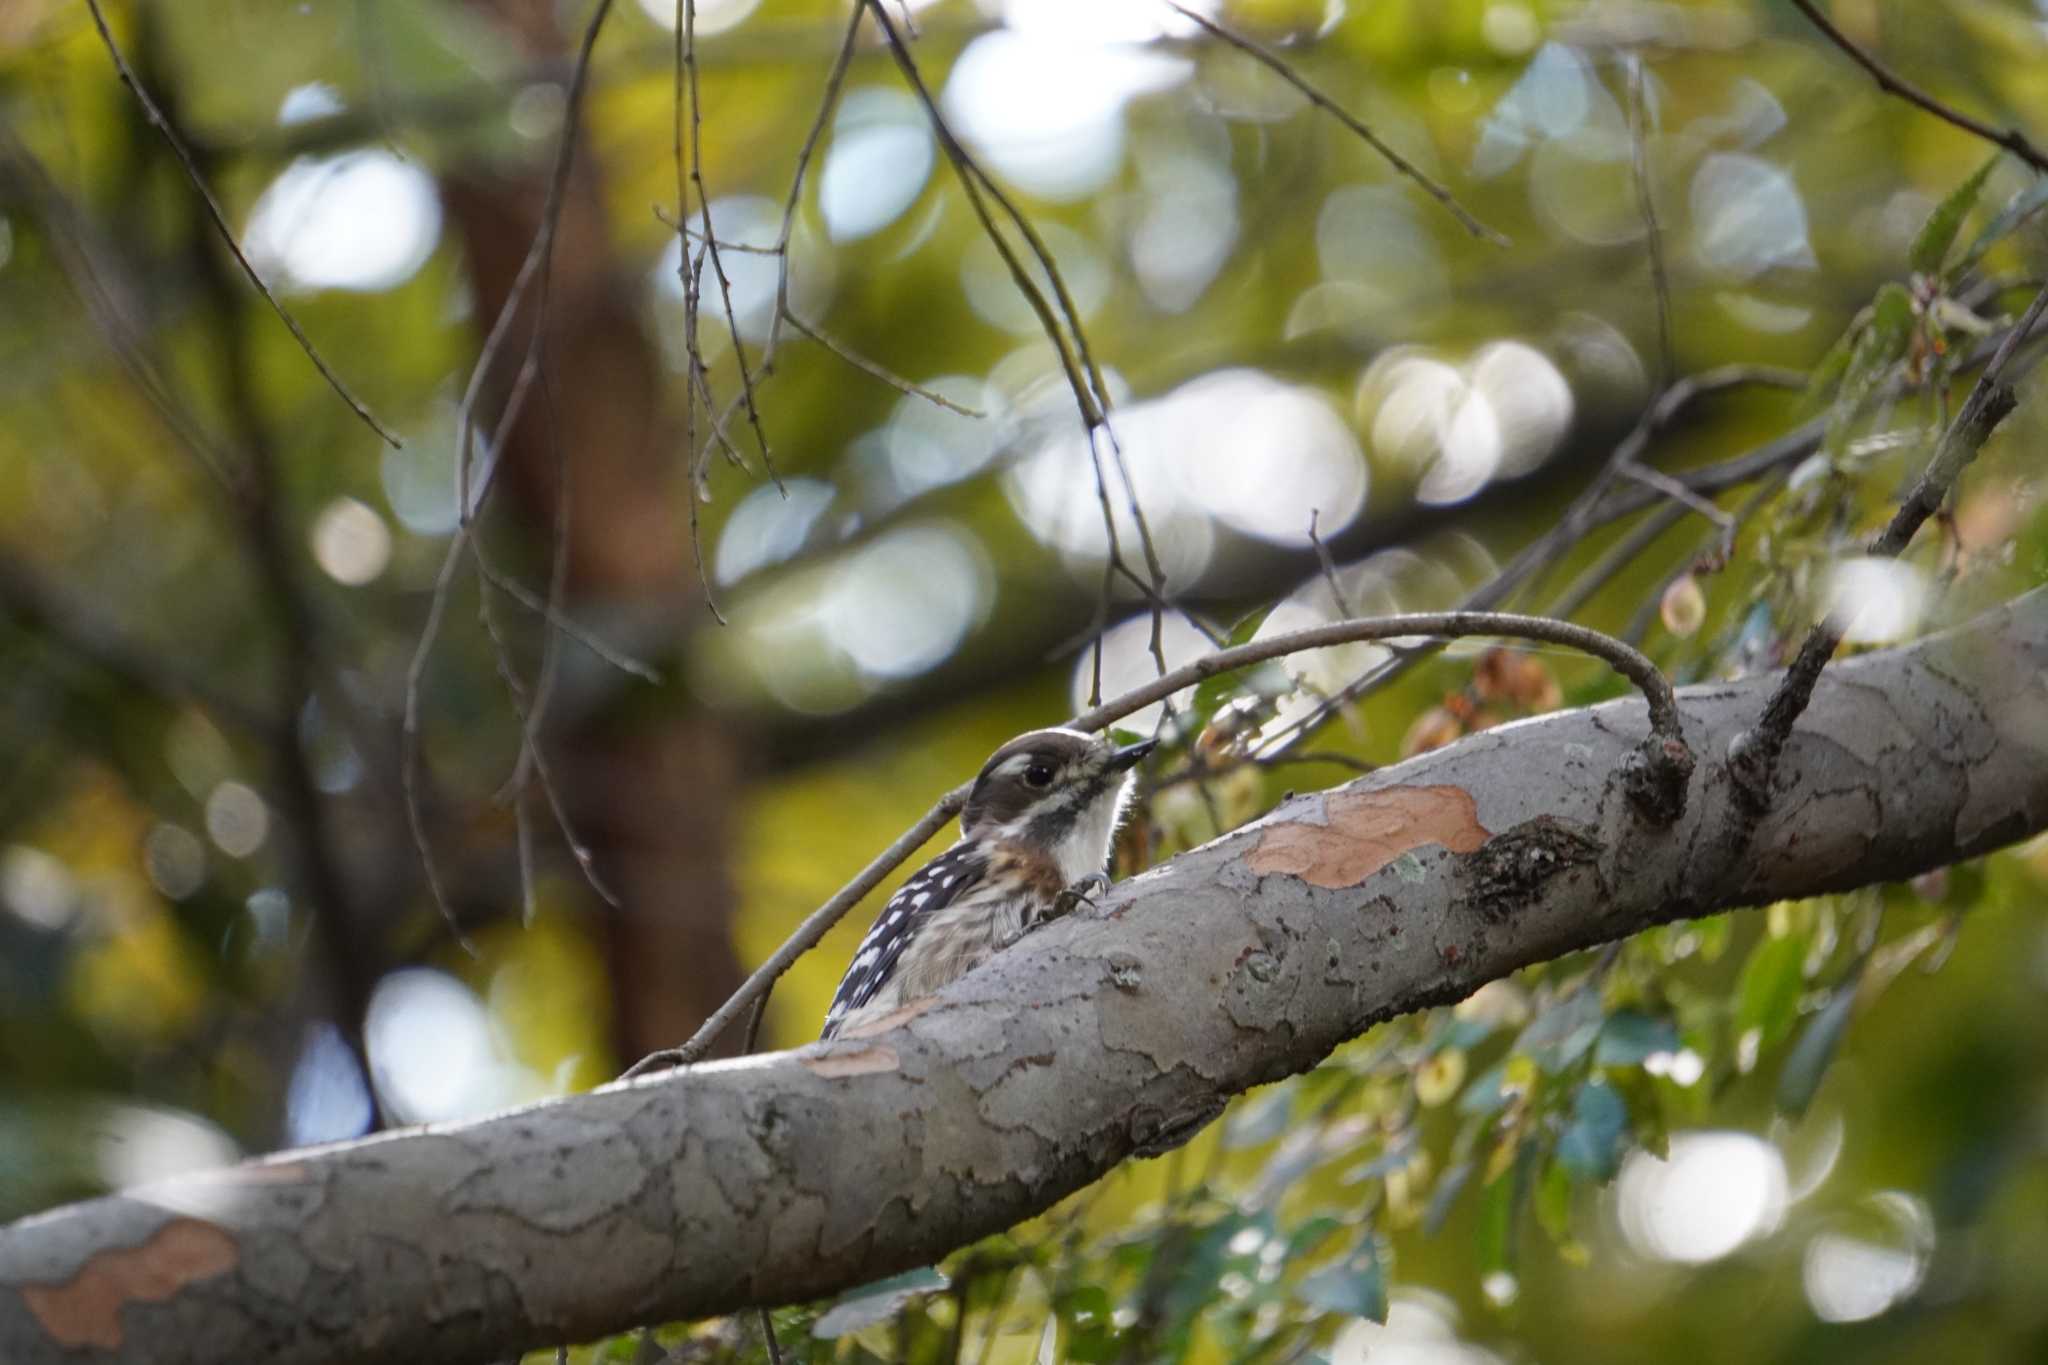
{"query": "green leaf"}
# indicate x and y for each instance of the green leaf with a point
(1270, 680)
(1880, 347)
(2004, 223)
(1767, 993)
(873, 1303)
(619, 1350)
(1712, 932)
(1091, 1328)
(1826, 376)
(1630, 1037)
(1248, 626)
(1267, 679)
(1399, 1153)
(1592, 1143)
(1355, 1286)
(1553, 1203)
(1445, 1195)
(1309, 1234)
(1485, 1092)
(1561, 1034)
(1301, 1153)
(1499, 1204)
(1259, 1121)
(1808, 1061)
(1648, 1126)
(1891, 319)
(1938, 233)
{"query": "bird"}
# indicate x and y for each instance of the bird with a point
(1034, 838)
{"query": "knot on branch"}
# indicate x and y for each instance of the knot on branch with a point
(1510, 870)
(1752, 757)
(1654, 777)
(1155, 1131)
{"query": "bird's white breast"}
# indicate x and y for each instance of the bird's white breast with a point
(1084, 850)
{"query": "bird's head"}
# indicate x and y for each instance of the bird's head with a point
(1058, 790)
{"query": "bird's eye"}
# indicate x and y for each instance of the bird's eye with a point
(1038, 775)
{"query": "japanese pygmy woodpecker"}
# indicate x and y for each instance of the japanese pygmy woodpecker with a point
(1035, 832)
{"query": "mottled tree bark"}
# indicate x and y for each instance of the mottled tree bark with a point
(1116, 1031)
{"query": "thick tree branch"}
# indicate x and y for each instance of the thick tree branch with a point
(1654, 775)
(1114, 1032)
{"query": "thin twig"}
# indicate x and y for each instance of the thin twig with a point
(558, 587)
(79, 249)
(533, 763)
(1646, 205)
(1628, 662)
(1157, 592)
(690, 234)
(1677, 492)
(525, 597)
(1084, 377)
(1600, 504)
(688, 30)
(1639, 621)
(691, 276)
(227, 234)
(1754, 756)
(815, 927)
(462, 542)
(1616, 558)
(1890, 82)
(1329, 567)
(973, 181)
(77, 626)
(537, 267)
(835, 81)
(874, 371)
(409, 738)
(1281, 67)
(352, 961)
(1665, 731)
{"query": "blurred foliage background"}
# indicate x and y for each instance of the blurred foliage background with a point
(222, 595)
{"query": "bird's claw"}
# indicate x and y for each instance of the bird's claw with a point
(1080, 893)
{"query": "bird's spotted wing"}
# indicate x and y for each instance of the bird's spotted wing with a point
(937, 884)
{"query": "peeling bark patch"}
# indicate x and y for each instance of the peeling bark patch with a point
(86, 1309)
(864, 1062)
(1366, 831)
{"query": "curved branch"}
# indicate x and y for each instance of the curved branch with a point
(1117, 1031)
(219, 220)
(1280, 67)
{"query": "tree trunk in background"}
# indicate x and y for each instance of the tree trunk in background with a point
(649, 788)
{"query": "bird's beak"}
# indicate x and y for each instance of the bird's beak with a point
(1128, 756)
